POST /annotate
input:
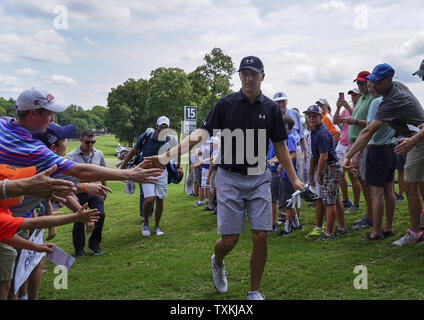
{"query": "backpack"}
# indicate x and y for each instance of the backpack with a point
(146, 137)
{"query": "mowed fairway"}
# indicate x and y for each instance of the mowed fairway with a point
(176, 265)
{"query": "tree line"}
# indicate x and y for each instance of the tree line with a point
(134, 106)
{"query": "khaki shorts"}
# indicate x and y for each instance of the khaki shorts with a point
(414, 165)
(7, 262)
(213, 186)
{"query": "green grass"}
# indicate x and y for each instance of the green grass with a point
(106, 144)
(176, 265)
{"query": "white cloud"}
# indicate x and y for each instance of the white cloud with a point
(414, 46)
(26, 72)
(63, 80)
(332, 7)
(43, 45)
(90, 42)
(309, 49)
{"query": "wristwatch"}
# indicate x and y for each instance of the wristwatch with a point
(356, 122)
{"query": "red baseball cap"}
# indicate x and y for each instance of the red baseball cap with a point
(13, 173)
(362, 76)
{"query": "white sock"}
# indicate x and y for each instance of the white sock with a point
(25, 297)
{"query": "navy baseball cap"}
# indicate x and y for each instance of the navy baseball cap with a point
(252, 63)
(381, 72)
(420, 72)
(313, 109)
(54, 133)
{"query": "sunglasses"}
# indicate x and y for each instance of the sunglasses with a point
(361, 82)
(252, 75)
(163, 126)
(88, 142)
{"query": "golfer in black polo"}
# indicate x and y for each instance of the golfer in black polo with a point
(247, 120)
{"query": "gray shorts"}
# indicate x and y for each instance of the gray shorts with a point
(363, 164)
(414, 164)
(237, 193)
(275, 186)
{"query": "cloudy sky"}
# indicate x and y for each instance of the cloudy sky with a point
(79, 50)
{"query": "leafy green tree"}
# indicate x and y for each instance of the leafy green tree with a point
(215, 74)
(8, 107)
(127, 114)
(170, 90)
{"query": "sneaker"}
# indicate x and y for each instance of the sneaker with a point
(340, 232)
(145, 232)
(348, 203)
(288, 228)
(219, 277)
(79, 253)
(296, 223)
(408, 238)
(399, 197)
(352, 209)
(96, 250)
(362, 219)
(157, 231)
(209, 209)
(325, 236)
(255, 295)
(199, 204)
(364, 224)
(314, 233)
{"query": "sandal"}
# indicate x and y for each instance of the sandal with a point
(369, 238)
(387, 234)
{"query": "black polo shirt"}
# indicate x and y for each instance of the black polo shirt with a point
(235, 113)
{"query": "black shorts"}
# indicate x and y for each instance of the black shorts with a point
(400, 162)
(380, 165)
(286, 191)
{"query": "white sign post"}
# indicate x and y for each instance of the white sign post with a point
(190, 117)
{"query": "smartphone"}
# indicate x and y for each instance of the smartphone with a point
(341, 95)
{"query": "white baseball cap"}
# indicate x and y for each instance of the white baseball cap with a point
(33, 98)
(215, 140)
(279, 96)
(323, 101)
(354, 90)
(162, 120)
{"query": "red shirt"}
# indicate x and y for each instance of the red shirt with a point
(8, 224)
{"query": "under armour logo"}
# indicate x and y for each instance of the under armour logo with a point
(249, 61)
(261, 116)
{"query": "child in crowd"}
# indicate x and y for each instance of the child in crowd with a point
(325, 171)
(286, 191)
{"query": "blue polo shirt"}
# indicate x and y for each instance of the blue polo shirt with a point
(298, 131)
(292, 147)
(322, 141)
(234, 113)
(270, 155)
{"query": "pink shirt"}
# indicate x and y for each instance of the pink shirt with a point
(344, 139)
